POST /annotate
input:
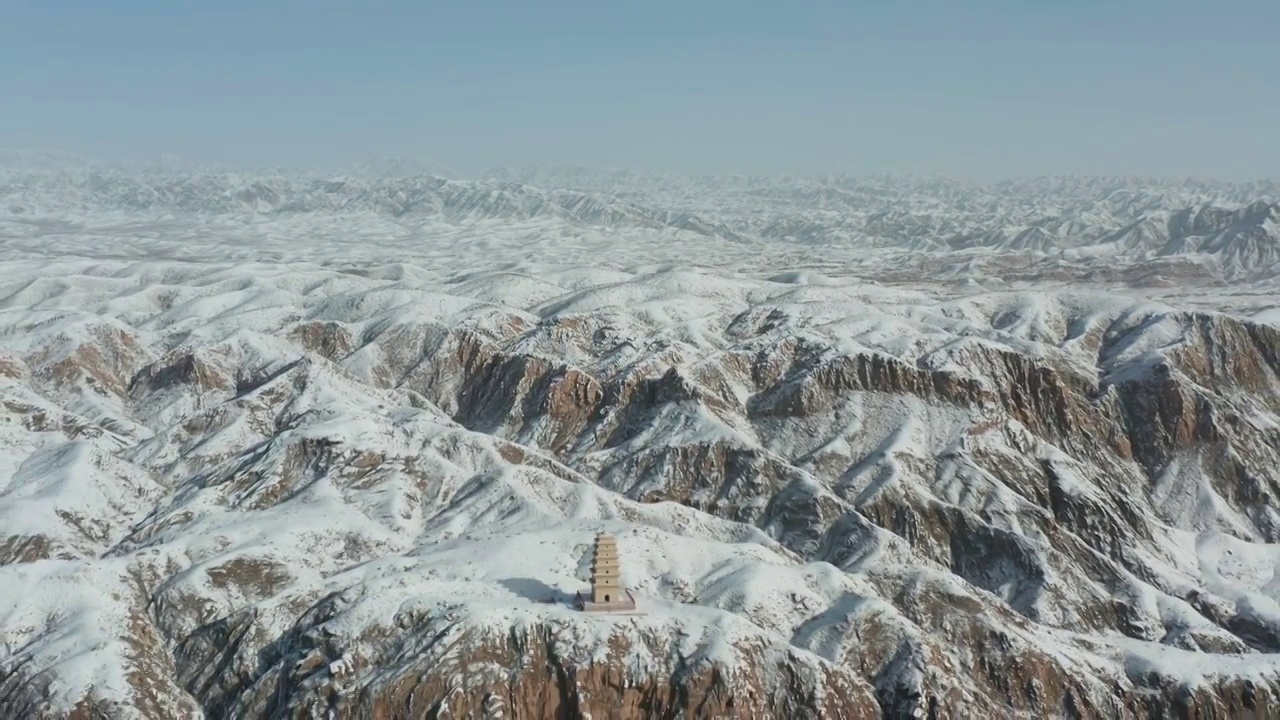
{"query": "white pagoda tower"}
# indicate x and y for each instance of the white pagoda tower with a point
(607, 591)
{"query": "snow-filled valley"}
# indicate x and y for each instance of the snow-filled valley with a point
(309, 445)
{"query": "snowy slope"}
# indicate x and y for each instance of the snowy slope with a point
(258, 458)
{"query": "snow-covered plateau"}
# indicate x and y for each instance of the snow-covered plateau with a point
(337, 445)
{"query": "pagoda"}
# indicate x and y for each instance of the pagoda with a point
(607, 593)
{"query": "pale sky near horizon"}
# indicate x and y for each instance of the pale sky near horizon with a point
(979, 89)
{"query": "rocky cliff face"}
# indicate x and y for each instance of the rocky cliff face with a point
(247, 497)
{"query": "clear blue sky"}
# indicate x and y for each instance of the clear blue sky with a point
(966, 88)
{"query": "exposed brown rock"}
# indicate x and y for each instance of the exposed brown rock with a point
(183, 368)
(330, 340)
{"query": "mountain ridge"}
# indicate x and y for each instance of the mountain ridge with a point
(281, 444)
(284, 492)
(1069, 222)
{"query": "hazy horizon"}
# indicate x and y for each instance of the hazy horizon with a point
(338, 169)
(983, 93)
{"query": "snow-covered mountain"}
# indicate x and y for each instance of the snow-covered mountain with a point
(278, 446)
(228, 194)
(1047, 217)
(1076, 226)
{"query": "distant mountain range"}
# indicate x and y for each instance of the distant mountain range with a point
(1229, 229)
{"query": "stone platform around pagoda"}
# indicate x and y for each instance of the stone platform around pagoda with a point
(626, 605)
